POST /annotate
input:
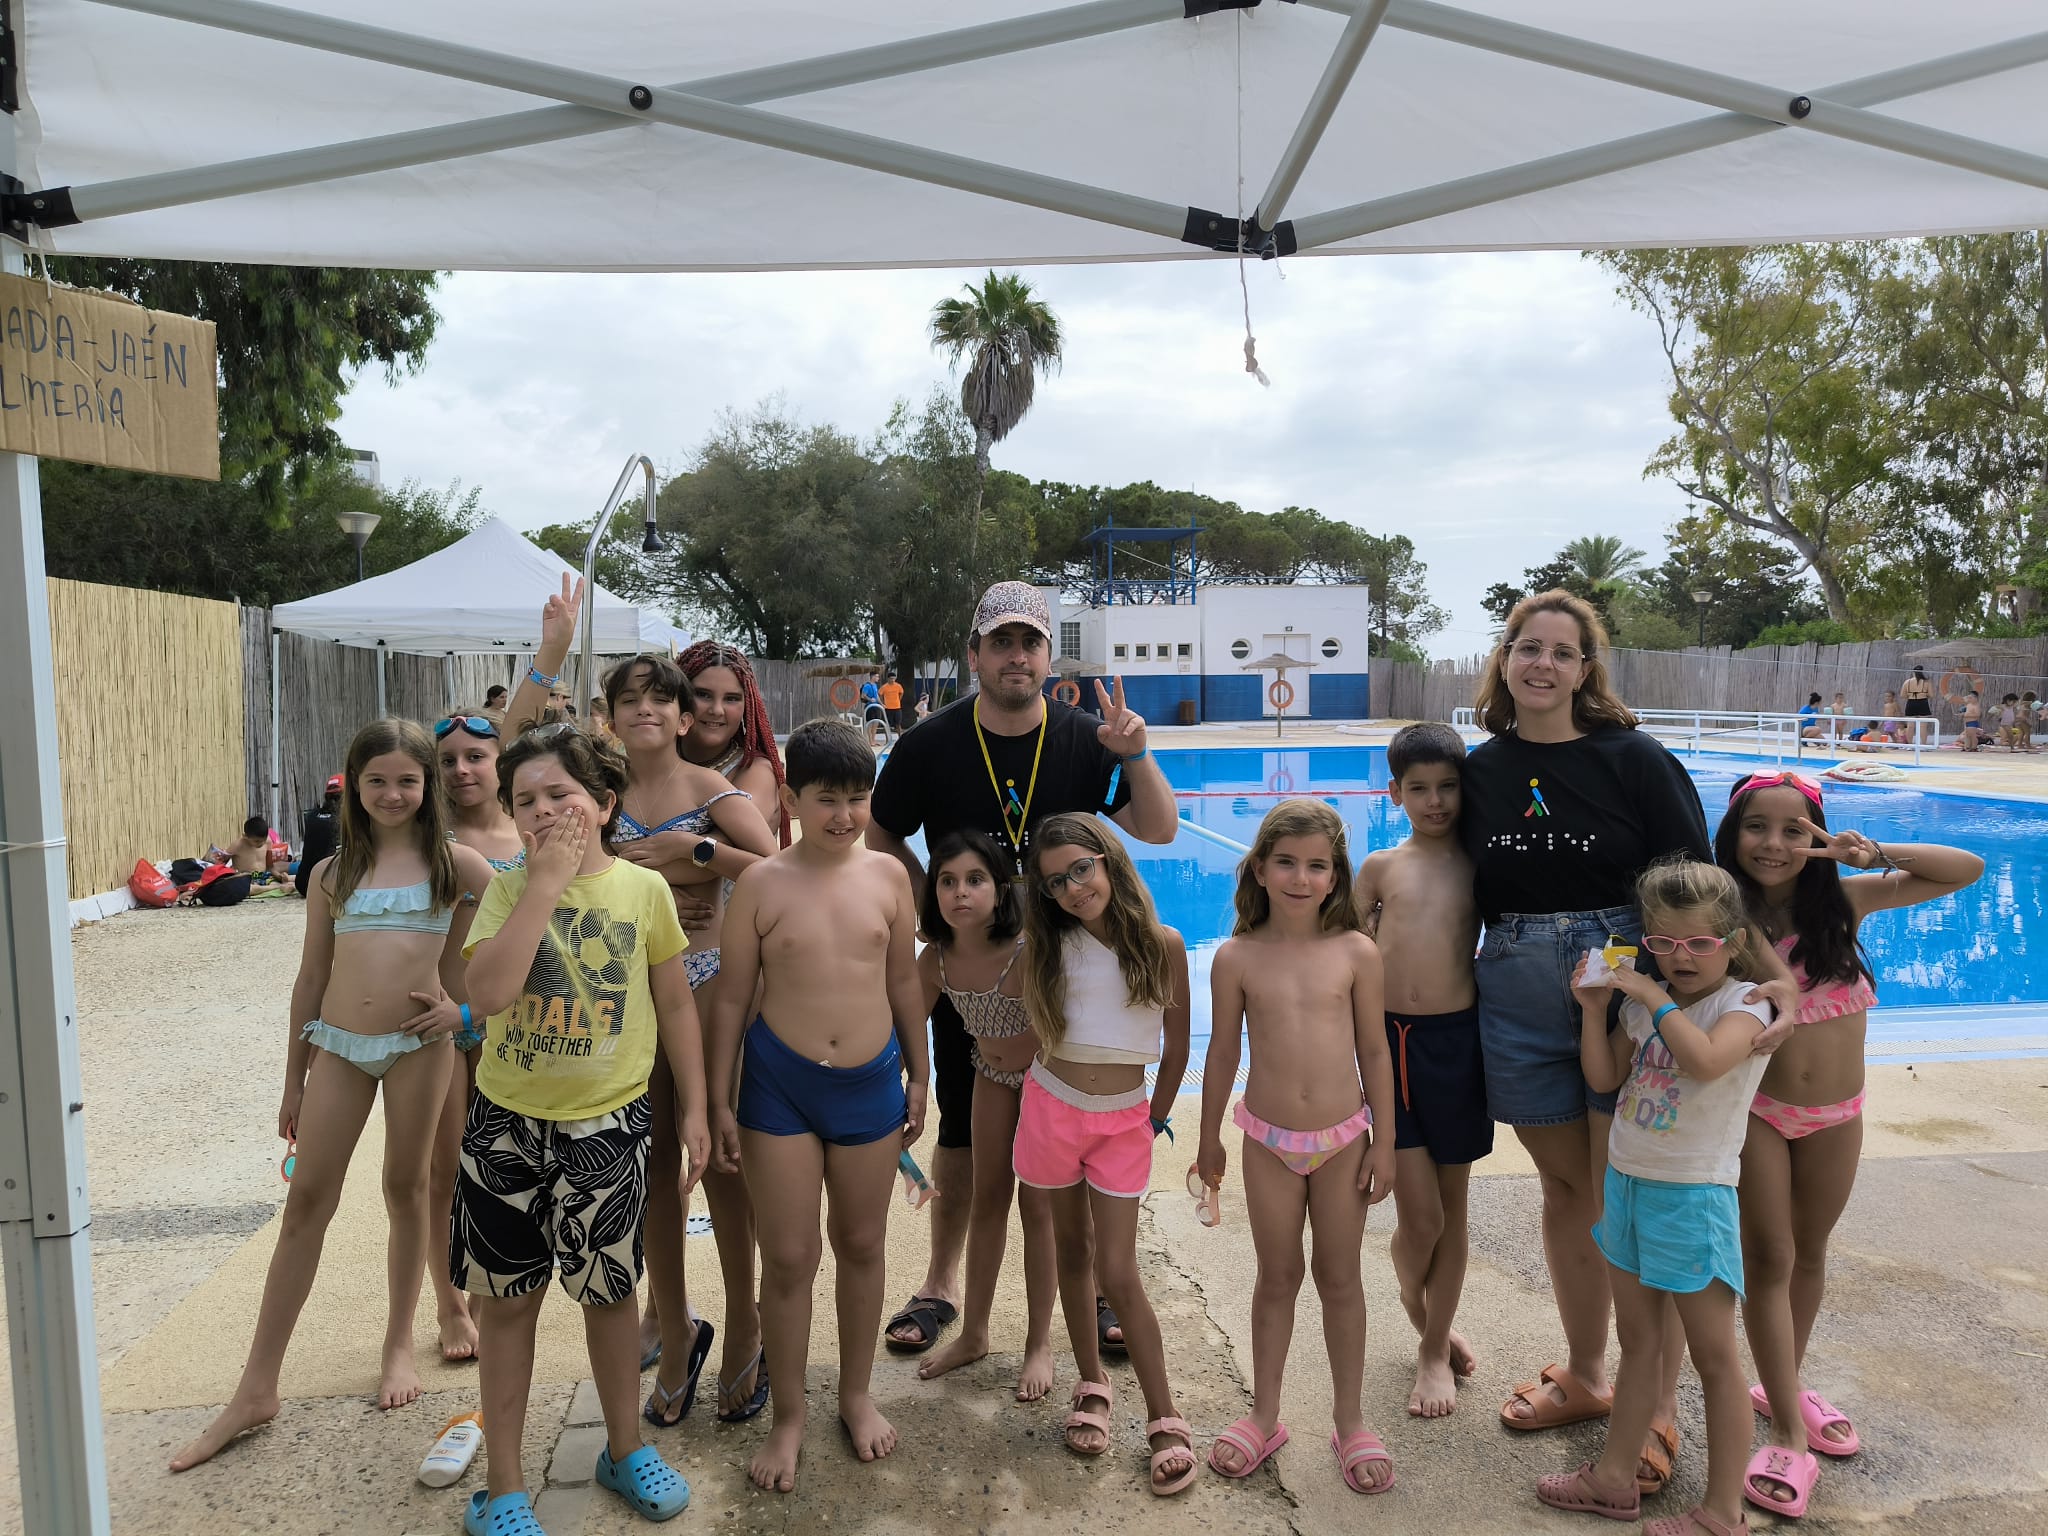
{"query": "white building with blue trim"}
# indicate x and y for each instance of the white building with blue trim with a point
(1147, 615)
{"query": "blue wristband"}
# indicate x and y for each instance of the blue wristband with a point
(469, 1037)
(1658, 1017)
(543, 679)
(1164, 1127)
(463, 1009)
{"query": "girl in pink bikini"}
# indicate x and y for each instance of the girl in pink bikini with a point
(1305, 983)
(1805, 1128)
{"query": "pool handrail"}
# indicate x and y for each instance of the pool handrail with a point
(1776, 735)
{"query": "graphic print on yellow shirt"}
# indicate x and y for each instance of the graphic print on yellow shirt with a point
(579, 1039)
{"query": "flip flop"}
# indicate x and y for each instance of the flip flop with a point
(1660, 1451)
(661, 1399)
(655, 1489)
(1693, 1522)
(1818, 1414)
(650, 1357)
(929, 1315)
(1252, 1447)
(509, 1514)
(1796, 1470)
(1081, 1418)
(753, 1405)
(1579, 1493)
(1361, 1450)
(1579, 1405)
(1180, 1480)
(1106, 1319)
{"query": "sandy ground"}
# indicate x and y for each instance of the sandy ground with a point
(1934, 1336)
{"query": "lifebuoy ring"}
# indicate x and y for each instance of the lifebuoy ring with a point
(1281, 694)
(1067, 691)
(1281, 783)
(1865, 773)
(1956, 685)
(844, 694)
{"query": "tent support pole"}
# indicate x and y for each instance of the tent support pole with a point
(45, 1219)
(546, 125)
(1647, 148)
(382, 708)
(639, 103)
(276, 730)
(1322, 105)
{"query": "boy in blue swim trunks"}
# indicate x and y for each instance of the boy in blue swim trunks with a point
(1419, 905)
(827, 927)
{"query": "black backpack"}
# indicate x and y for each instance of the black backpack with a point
(225, 890)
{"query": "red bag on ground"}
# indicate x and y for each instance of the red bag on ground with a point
(150, 886)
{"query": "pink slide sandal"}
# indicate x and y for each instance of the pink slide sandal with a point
(1252, 1450)
(1819, 1416)
(1796, 1470)
(1357, 1453)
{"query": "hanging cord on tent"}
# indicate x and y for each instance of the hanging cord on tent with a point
(36, 253)
(1251, 342)
(48, 842)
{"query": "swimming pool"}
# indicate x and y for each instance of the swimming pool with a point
(1957, 978)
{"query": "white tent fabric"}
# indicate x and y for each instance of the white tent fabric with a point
(482, 593)
(658, 134)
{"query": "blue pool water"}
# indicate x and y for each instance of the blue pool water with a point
(1948, 970)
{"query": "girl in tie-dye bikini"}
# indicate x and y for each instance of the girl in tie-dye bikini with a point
(1304, 982)
(1805, 1126)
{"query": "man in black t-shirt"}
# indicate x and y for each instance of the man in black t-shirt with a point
(999, 761)
(319, 833)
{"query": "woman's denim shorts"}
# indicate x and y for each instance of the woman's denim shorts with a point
(1528, 1022)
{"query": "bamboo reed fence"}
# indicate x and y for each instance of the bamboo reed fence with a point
(150, 727)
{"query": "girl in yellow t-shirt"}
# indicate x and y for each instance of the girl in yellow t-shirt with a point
(578, 960)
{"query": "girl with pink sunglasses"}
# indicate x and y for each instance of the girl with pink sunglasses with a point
(1805, 1123)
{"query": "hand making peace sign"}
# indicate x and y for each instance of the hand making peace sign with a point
(1123, 729)
(558, 614)
(1845, 847)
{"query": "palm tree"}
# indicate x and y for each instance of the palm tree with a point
(1603, 560)
(1012, 337)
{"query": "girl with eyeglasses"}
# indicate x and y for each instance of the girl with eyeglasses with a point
(1685, 1067)
(1805, 1134)
(1106, 986)
(1562, 809)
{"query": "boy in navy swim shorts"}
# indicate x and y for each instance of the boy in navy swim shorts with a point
(827, 927)
(1420, 907)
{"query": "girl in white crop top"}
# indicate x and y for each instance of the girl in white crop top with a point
(972, 918)
(1106, 986)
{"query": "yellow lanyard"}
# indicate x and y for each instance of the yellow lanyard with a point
(1006, 789)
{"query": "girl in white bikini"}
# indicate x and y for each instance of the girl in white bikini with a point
(385, 921)
(972, 918)
(1805, 1126)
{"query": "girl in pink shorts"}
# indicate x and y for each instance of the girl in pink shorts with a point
(1304, 983)
(1106, 986)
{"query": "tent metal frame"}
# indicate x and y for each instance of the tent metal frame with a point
(44, 1213)
(725, 107)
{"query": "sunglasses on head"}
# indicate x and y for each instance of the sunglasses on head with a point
(476, 725)
(1798, 781)
(1700, 944)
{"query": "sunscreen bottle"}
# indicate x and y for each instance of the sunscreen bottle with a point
(454, 1451)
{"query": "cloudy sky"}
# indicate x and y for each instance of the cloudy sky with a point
(1489, 406)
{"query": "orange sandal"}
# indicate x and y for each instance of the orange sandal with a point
(1579, 1405)
(1660, 1454)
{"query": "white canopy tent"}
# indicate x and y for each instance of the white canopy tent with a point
(480, 595)
(815, 133)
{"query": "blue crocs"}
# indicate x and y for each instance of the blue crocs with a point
(645, 1481)
(509, 1514)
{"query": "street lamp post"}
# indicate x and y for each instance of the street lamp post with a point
(1702, 597)
(358, 526)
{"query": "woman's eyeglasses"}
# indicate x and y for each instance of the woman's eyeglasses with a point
(1798, 781)
(1080, 872)
(476, 725)
(1529, 652)
(1700, 944)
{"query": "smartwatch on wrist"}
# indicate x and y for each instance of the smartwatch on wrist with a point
(704, 852)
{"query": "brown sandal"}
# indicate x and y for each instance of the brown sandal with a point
(1660, 1453)
(1579, 1405)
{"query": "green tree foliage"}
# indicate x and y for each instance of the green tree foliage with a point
(221, 540)
(1751, 584)
(1560, 570)
(1601, 559)
(621, 568)
(1007, 336)
(1812, 632)
(289, 339)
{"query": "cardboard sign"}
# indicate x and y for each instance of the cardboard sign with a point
(95, 378)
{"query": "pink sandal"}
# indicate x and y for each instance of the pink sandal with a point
(1180, 1480)
(1253, 1449)
(1082, 1419)
(1796, 1470)
(1361, 1450)
(1819, 1415)
(1693, 1522)
(1581, 1494)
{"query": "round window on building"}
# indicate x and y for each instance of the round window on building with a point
(1240, 649)
(1333, 647)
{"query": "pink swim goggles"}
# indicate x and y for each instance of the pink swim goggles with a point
(1208, 1197)
(1798, 781)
